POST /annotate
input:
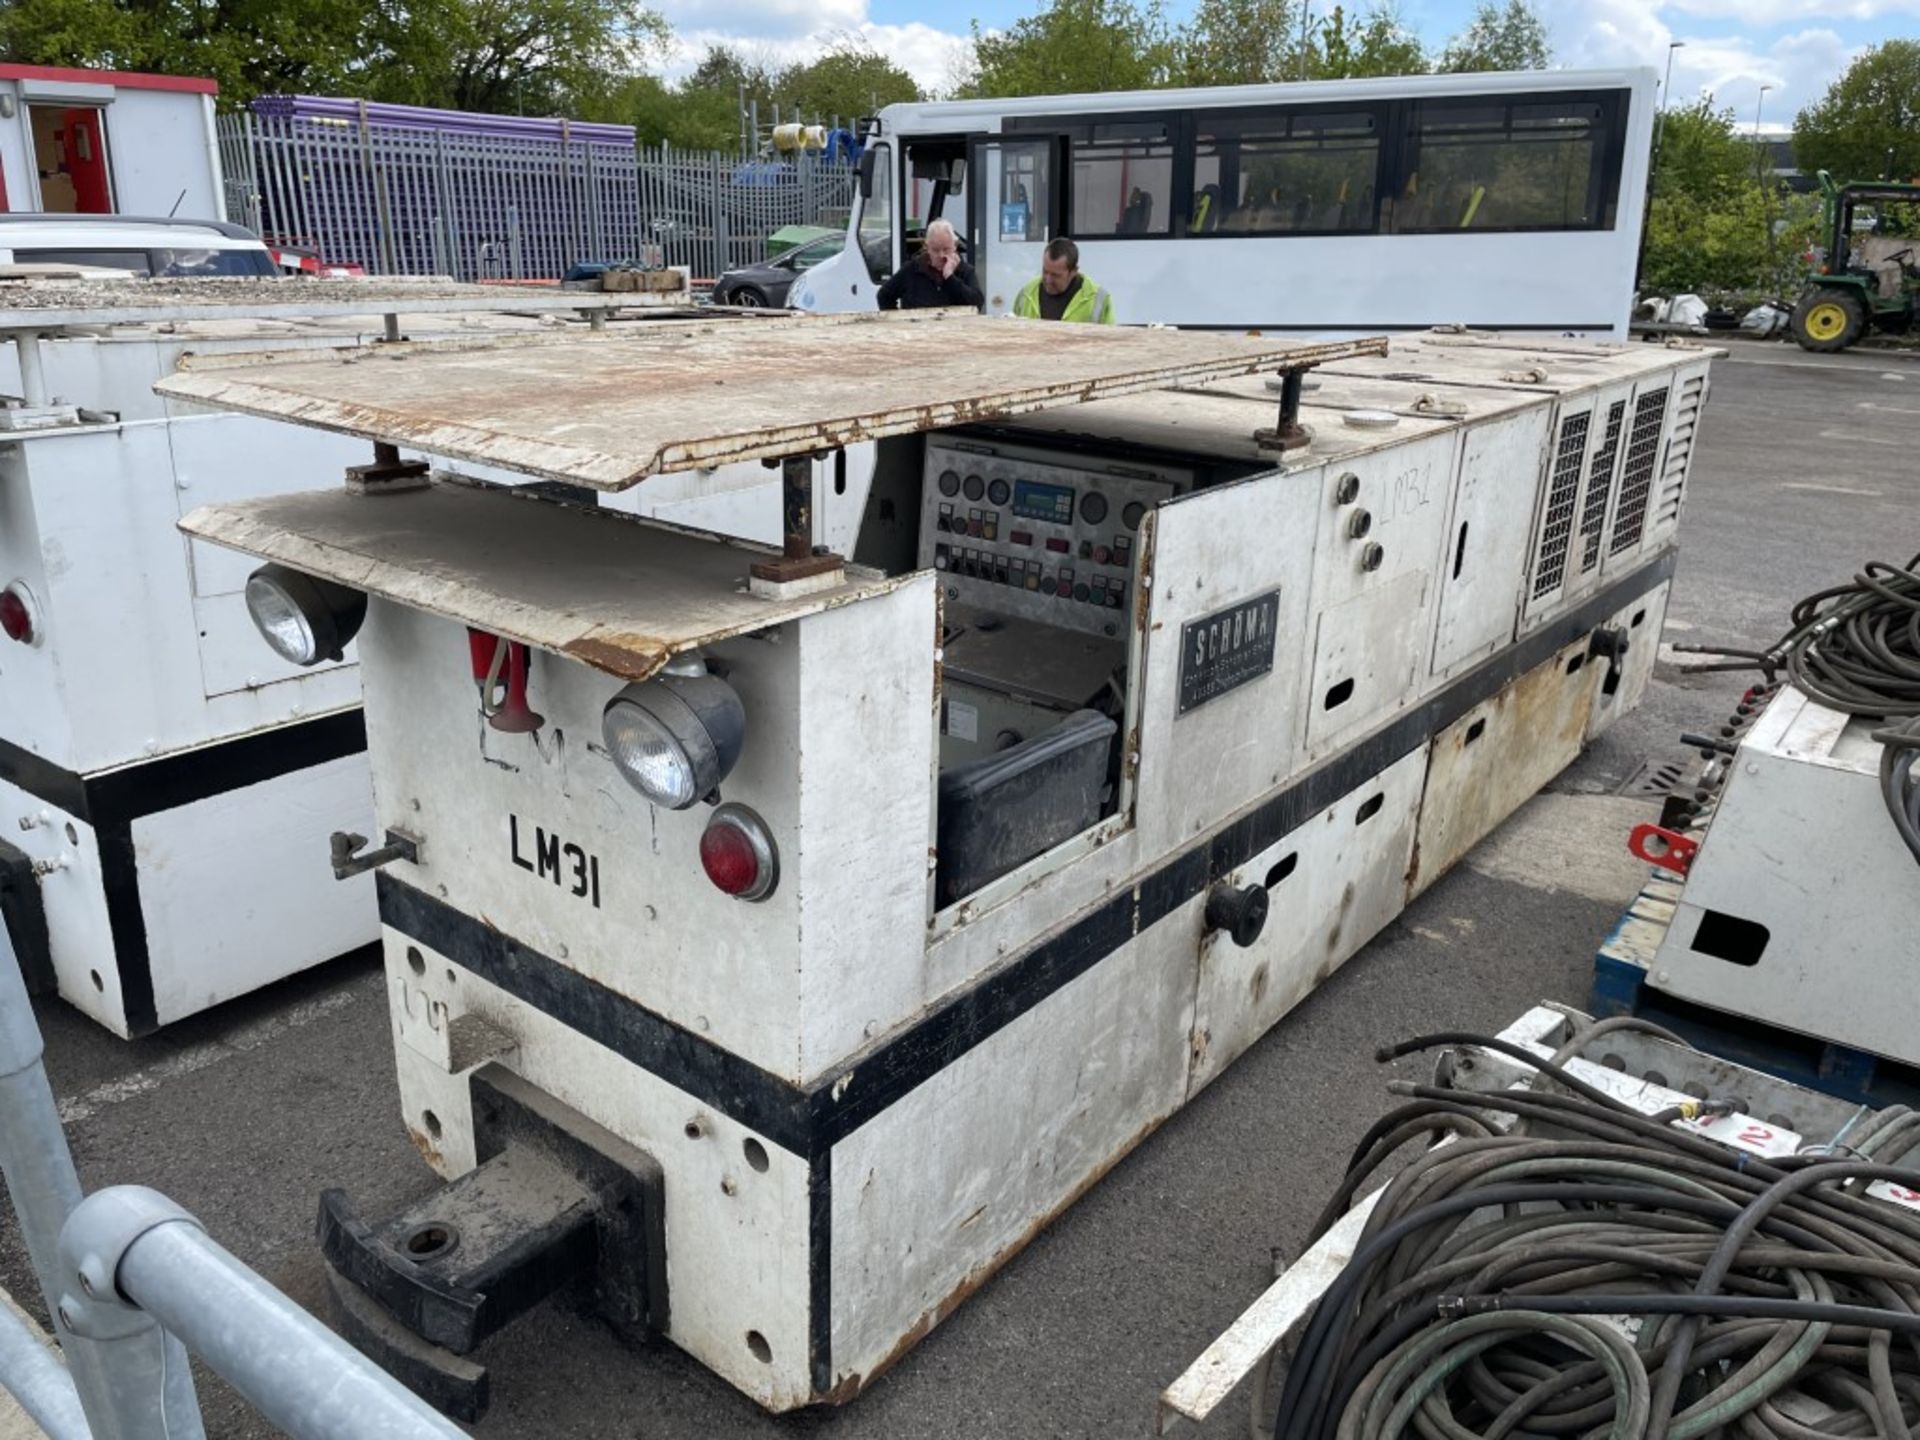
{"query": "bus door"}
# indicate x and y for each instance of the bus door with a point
(850, 281)
(1018, 195)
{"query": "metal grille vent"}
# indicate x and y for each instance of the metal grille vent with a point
(1563, 494)
(1593, 516)
(1673, 475)
(1636, 475)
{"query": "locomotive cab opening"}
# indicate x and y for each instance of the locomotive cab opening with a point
(1039, 542)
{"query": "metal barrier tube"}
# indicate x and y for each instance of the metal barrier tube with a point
(41, 1180)
(31, 1371)
(137, 1358)
(295, 1371)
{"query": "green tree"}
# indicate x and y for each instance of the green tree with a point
(1701, 157)
(851, 79)
(1509, 37)
(249, 46)
(1074, 46)
(1238, 42)
(703, 111)
(1752, 241)
(531, 56)
(1867, 125)
(1377, 44)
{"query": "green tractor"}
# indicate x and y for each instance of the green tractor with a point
(1868, 280)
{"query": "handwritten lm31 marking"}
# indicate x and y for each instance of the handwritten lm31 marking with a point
(566, 864)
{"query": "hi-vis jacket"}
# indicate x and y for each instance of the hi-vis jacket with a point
(1090, 304)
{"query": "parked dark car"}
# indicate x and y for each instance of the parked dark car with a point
(767, 284)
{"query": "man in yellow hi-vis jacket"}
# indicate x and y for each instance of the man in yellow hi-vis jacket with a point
(1062, 292)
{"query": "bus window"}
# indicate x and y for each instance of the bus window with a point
(1286, 173)
(1532, 163)
(1122, 179)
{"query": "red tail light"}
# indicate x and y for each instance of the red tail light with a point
(738, 854)
(16, 613)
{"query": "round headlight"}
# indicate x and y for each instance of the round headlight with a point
(677, 736)
(304, 618)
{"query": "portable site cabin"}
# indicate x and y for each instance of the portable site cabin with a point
(108, 142)
(819, 928)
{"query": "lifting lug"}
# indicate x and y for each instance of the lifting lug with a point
(349, 859)
(1668, 849)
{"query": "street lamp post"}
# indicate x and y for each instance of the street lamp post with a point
(1760, 175)
(1666, 97)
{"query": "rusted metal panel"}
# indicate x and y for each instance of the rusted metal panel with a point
(1497, 756)
(615, 593)
(47, 305)
(611, 409)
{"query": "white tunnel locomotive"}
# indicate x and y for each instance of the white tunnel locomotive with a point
(778, 940)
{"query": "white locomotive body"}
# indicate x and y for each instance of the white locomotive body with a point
(1120, 732)
(166, 782)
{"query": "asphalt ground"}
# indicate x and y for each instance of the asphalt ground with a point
(1806, 470)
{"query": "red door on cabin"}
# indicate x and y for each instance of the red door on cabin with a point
(84, 143)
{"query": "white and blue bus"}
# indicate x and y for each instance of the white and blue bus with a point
(1503, 201)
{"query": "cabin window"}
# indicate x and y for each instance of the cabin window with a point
(1526, 163)
(1281, 174)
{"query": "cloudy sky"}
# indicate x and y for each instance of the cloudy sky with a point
(1733, 47)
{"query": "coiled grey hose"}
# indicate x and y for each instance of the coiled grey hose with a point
(1773, 1300)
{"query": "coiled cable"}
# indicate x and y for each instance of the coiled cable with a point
(1856, 648)
(1763, 1300)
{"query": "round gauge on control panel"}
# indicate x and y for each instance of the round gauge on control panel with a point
(1131, 516)
(1093, 507)
(949, 483)
(998, 491)
(975, 487)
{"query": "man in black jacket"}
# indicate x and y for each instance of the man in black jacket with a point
(936, 276)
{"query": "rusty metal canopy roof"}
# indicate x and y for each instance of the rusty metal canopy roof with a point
(42, 304)
(617, 593)
(609, 410)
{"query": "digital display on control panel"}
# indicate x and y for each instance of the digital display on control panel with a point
(1034, 501)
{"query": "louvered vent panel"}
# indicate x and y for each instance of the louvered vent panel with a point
(1563, 495)
(1673, 475)
(1636, 473)
(1593, 515)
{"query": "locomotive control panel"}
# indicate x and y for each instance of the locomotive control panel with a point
(1036, 534)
